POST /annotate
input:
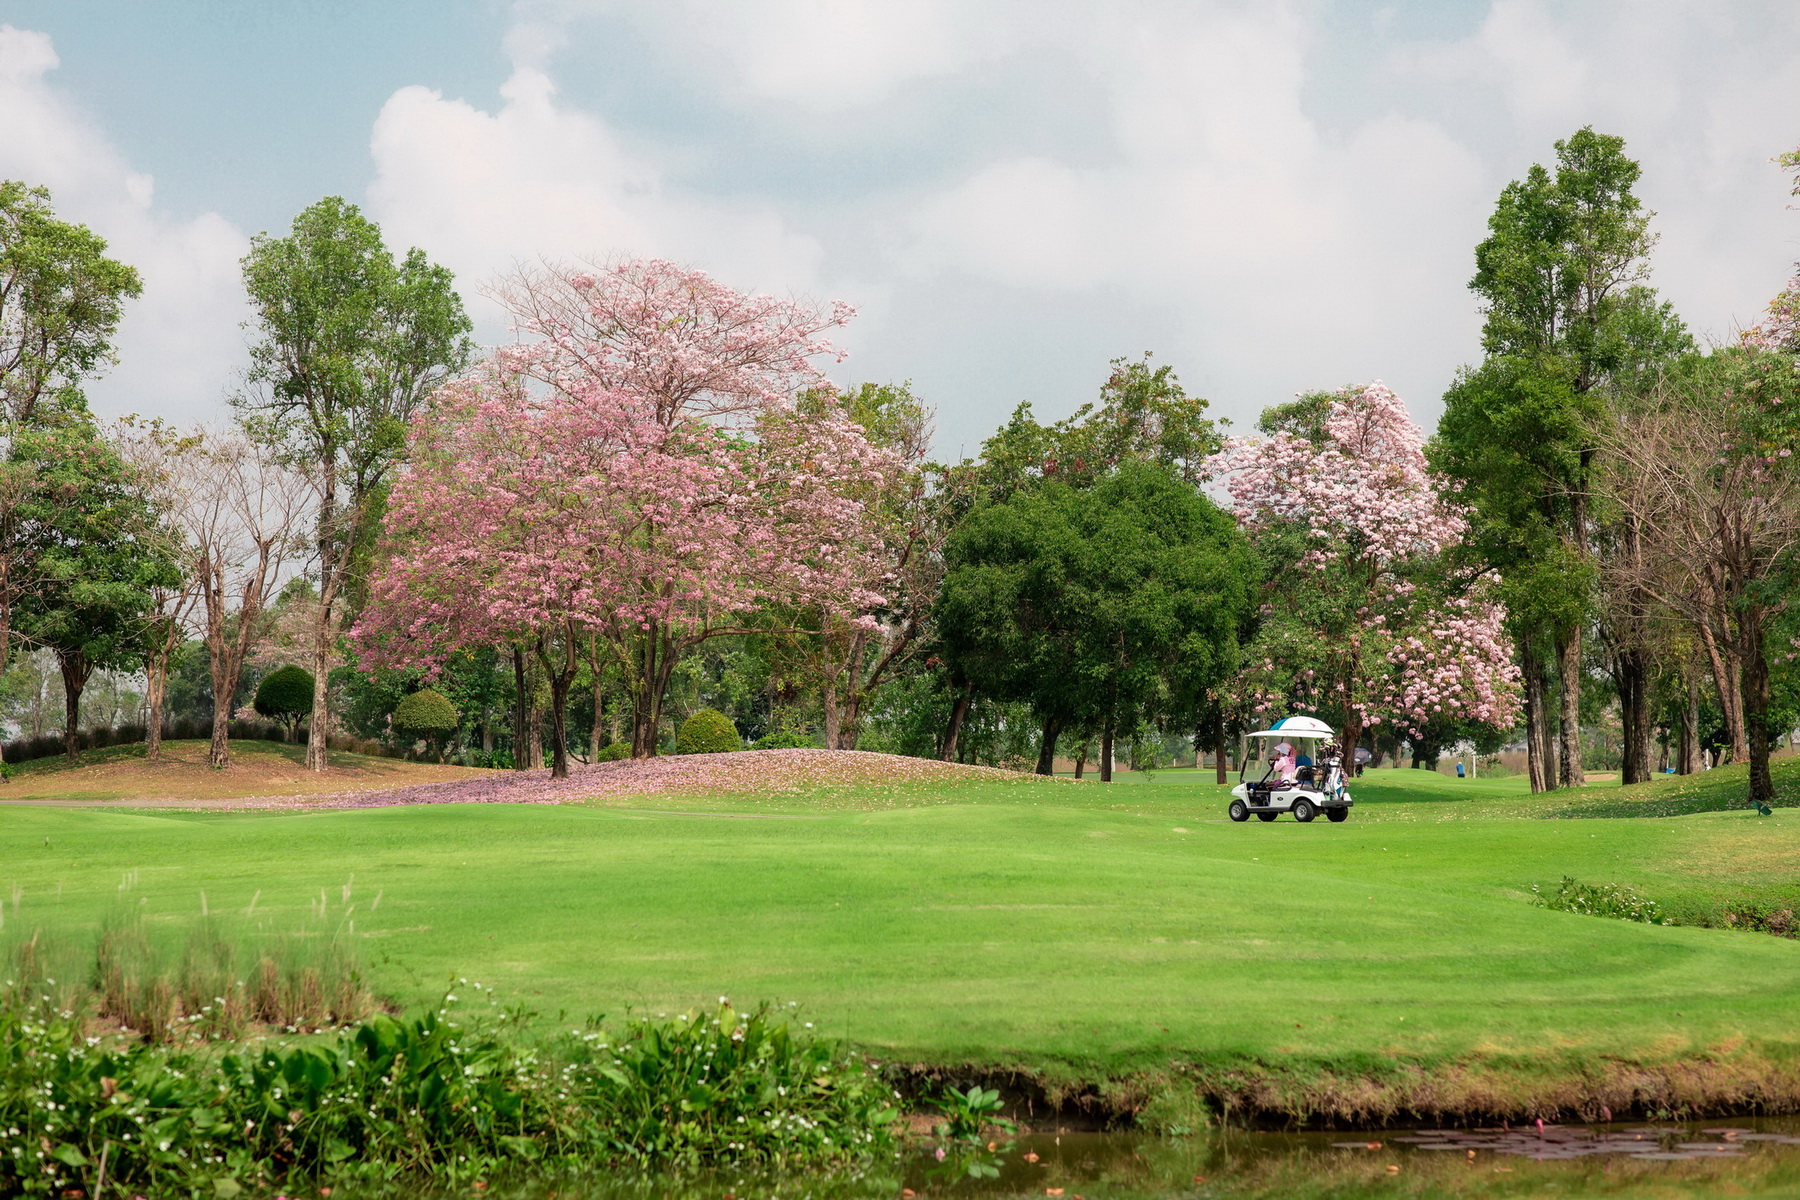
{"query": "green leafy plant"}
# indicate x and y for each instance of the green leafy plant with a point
(1601, 900)
(427, 714)
(438, 1095)
(285, 695)
(969, 1113)
(708, 731)
(613, 752)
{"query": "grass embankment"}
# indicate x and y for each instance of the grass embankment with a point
(1126, 942)
(120, 773)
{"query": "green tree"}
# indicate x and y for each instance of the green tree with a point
(100, 552)
(285, 694)
(60, 303)
(1568, 312)
(348, 343)
(1113, 607)
(427, 714)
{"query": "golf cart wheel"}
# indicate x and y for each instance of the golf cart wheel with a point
(1304, 811)
(1267, 816)
(1337, 815)
(1239, 811)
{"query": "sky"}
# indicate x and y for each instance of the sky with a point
(1273, 197)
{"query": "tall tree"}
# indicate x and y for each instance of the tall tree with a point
(1112, 607)
(242, 514)
(710, 383)
(544, 519)
(61, 298)
(1562, 279)
(158, 452)
(93, 516)
(852, 652)
(1360, 616)
(1706, 467)
(348, 342)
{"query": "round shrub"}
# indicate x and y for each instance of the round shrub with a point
(786, 739)
(285, 695)
(426, 713)
(708, 731)
(613, 752)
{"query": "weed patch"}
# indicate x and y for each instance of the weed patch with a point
(1601, 900)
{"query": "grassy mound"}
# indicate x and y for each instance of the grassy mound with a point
(120, 773)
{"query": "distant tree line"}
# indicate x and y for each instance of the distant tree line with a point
(654, 502)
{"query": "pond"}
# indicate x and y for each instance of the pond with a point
(1667, 1160)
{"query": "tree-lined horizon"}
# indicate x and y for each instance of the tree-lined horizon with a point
(655, 501)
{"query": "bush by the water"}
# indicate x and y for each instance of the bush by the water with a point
(436, 1095)
(285, 695)
(708, 731)
(1602, 900)
(613, 752)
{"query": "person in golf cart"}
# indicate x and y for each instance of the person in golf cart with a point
(1285, 785)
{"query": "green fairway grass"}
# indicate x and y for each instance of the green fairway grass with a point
(1073, 929)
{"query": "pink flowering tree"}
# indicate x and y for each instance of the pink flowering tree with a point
(1362, 617)
(640, 475)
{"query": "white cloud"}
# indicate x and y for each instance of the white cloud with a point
(814, 54)
(480, 191)
(180, 344)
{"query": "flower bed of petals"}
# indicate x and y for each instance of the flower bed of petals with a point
(876, 780)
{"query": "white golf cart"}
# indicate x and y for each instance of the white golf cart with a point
(1311, 788)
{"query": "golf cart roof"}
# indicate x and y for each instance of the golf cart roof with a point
(1296, 727)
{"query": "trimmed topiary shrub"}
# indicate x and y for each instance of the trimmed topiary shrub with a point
(786, 739)
(426, 714)
(708, 731)
(285, 695)
(613, 752)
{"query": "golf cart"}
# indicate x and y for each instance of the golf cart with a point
(1286, 785)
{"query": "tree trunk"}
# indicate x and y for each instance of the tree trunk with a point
(75, 672)
(1568, 662)
(1756, 703)
(1687, 761)
(1633, 673)
(559, 727)
(1728, 678)
(561, 677)
(1537, 727)
(958, 711)
(319, 732)
(1046, 763)
(156, 687)
(1218, 730)
(829, 701)
(598, 729)
(850, 731)
(521, 726)
(1106, 750)
(1081, 758)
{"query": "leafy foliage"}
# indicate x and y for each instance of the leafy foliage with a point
(286, 693)
(708, 731)
(1111, 606)
(397, 1099)
(60, 302)
(426, 713)
(613, 752)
